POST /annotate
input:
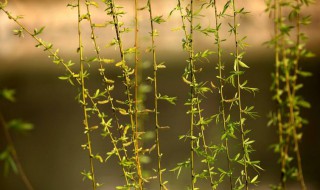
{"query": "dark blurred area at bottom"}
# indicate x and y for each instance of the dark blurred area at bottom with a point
(52, 155)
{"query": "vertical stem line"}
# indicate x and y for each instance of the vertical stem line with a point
(295, 76)
(155, 81)
(277, 22)
(290, 86)
(14, 154)
(136, 46)
(241, 122)
(278, 98)
(192, 91)
(205, 146)
(116, 27)
(136, 131)
(128, 85)
(189, 46)
(285, 131)
(113, 107)
(102, 73)
(183, 21)
(220, 67)
(84, 103)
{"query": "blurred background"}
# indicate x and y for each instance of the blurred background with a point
(52, 155)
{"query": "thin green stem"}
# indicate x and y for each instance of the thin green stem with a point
(221, 91)
(14, 154)
(136, 54)
(295, 76)
(183, 22)
(290, 87)
(155, 82)
(241, 118)
(112, 138)
(192, 92)
(277, 22)
(106, 81)
(205, 146)
(189, 48)
(116, 26)
(84, 100)
(284, 143)
(127, 82)
(57, 59)
(136, 131)
(291, 104)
